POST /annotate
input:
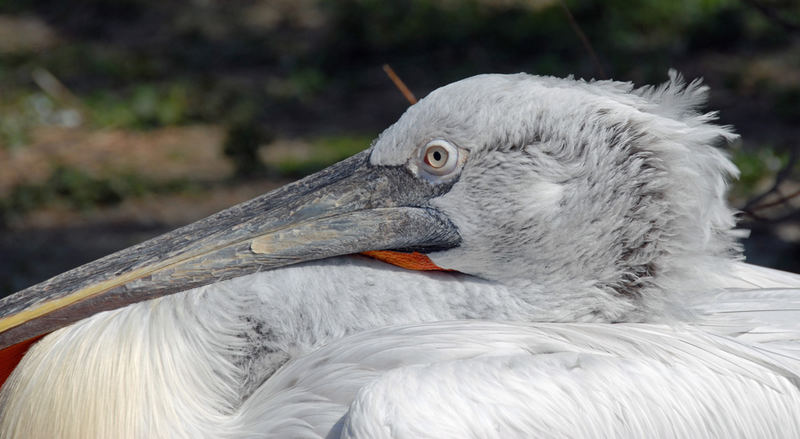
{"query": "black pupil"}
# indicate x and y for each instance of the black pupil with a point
(437, 155)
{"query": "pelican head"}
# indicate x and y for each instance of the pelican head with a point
(579, 190)
(591, 191)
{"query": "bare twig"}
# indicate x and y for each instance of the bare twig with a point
(755, 204)
(781, 200)
(792, 215)
(58, 91)
(52, 86)
(782, 176)
(399, 84)
(586, 44)
(774, 16)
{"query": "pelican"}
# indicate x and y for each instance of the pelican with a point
(545, 257)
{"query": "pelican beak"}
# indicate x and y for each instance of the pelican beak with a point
(350, 207)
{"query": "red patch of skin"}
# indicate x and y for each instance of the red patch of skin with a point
(12, 355)
(409, 261)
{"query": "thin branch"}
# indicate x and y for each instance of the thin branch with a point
(777, 202)
(399, 84)
(782, 175)
(774, 16)
(52, 86)
(586, 44)
(57, 90)
(761, 220)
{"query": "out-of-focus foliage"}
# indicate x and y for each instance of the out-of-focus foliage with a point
(756, 167)
(319, 153)
(292, 66)
(143, 64)
(75, 188)
(145, 106)
(242, 144)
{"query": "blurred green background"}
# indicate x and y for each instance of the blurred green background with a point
(122, 119)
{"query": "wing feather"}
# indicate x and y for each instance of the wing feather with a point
(486, 379)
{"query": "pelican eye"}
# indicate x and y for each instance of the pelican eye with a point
(439, 157)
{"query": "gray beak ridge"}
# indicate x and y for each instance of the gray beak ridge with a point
(350, 207)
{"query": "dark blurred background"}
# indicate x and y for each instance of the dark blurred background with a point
(122, 119)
